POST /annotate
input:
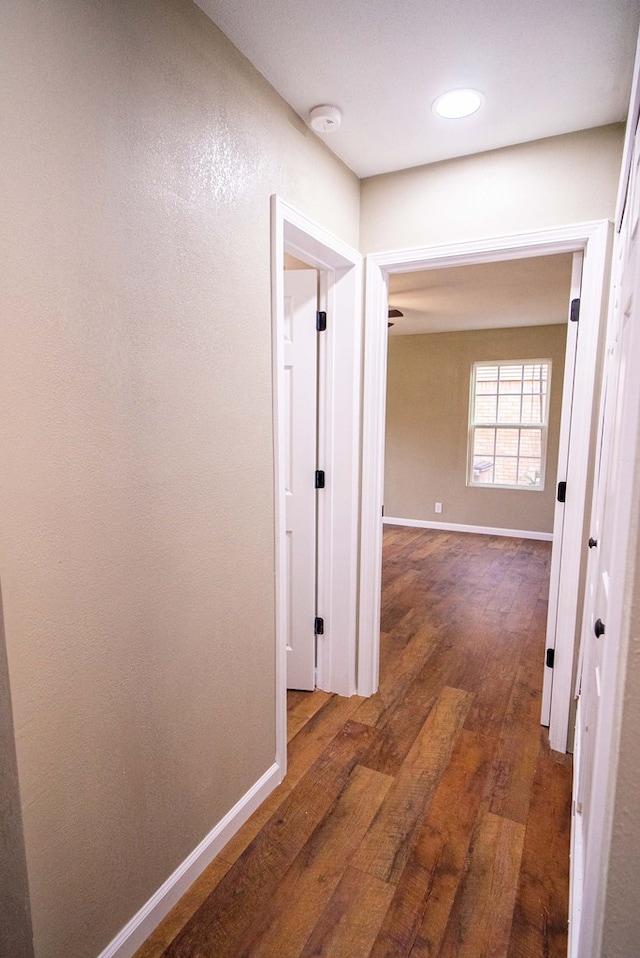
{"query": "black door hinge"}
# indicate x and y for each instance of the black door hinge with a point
(319, 478)
(321, 321)
(562, 492)
(574, 314)
(551, 655)
(318, 626)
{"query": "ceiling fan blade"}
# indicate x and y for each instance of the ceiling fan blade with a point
(395, 314)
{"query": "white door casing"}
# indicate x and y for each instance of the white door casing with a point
(300, 401)
(339, 401)
(594, 297)
(573, 331)
(593, 239)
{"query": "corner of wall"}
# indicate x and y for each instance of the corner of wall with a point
(16, 939)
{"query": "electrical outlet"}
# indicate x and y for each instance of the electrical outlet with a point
(438, 507)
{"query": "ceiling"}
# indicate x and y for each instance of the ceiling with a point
(545, 67)
(519, 292)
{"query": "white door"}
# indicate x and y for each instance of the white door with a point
(606, 567)
(592, 643)
(300, 379)
(612, 444)
(555, 614)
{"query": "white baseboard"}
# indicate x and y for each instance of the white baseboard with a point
(459, 527)
(136, 931)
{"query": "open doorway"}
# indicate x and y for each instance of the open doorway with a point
(494, 318)
(475, 397)
(591, 239)
(334, 554)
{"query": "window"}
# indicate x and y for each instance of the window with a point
(508, 423)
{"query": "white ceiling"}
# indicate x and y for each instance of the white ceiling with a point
(519, 292)
(545, 67)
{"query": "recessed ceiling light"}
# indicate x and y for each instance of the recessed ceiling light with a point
(458, 103)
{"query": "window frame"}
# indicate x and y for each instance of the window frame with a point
(494, 424)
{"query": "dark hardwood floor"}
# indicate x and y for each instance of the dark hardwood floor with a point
(430, 820)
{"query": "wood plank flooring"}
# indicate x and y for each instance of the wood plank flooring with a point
(429, 821)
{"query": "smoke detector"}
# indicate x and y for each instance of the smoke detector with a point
(325, 119)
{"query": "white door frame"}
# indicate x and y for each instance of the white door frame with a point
(594, 240)
(564, 446)
(339, 387)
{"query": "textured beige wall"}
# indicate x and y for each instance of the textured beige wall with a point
(427, 427)
(552, 182)
(136, 501)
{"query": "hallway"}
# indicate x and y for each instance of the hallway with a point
(429, 820)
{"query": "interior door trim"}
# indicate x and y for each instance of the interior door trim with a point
(340, 276)
(594, 239)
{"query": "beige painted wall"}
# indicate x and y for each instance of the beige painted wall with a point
(427, 427)
(552, 182)
(136, 501)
